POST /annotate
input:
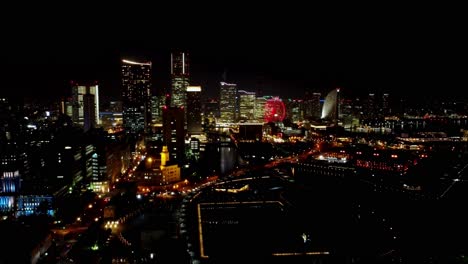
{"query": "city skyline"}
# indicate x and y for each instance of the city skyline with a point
(253, 70)
(400, 51)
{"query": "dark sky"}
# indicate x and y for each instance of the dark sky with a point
(413, 52)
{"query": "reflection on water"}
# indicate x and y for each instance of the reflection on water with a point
(219, 158)
(228, 159)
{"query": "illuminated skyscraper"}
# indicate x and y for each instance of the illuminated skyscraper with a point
(228, 102)
(78, 108)
(194, 110)
(179, 78)
(136, 85)
(246, 106)
(157, 103)
(260, 103)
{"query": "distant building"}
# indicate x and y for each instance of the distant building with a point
(210, 111)
(78, 103)
(371, 106)
(136, 85)
(294, 109)
(228, 102)
(174, 134)
(260, 103)
(315, 105)
(385, 107)
(157, 104)
(194, 114)
(246, 106)
(330, 106)
(89, 112)
(179, 78)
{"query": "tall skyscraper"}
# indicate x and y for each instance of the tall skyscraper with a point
(371, 106)
(136, 85)
(174, 134)
(228, 102)
(157, 103)
(78, 110)
(194, 110)
(89, 111)
(316, 108)
(179, 78)
(294, 109)
(246, 106)
(260, 103)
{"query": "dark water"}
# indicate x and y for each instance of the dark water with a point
(219, 159)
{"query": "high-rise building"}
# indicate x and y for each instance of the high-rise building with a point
(371, 106)
(385, 109)
(228, 102)
(294, 109)
(194, 115)
(157, 103)
(174, 134)
(78, 109)
(136, 85)
(89, 111)
(315, 107)
(179, 78)
(246, 106)
(260, 103)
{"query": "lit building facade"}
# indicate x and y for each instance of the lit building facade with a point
(371, 106)
(179, 78)
(294, 109)
(79, 110)
(194, 114)
(246, 106)
(228, 102)
(260, 103)
(136, 85)
(157, 103)
(210, 111)
(170, 172)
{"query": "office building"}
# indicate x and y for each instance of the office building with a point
(246, 106)
(179, 78)
(174, 133)
(157, 104)
(89, 111)
(228, 102)
(194, 114)
(210, 112)
(136, 85)
(260, 103)
(78, 104)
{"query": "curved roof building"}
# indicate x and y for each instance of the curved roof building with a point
(329, 106)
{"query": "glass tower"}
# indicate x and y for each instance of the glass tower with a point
(179, 78)
(136, 85)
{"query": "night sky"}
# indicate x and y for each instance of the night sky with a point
(415, 53)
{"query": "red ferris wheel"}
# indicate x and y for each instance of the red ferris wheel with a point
(275, 111)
